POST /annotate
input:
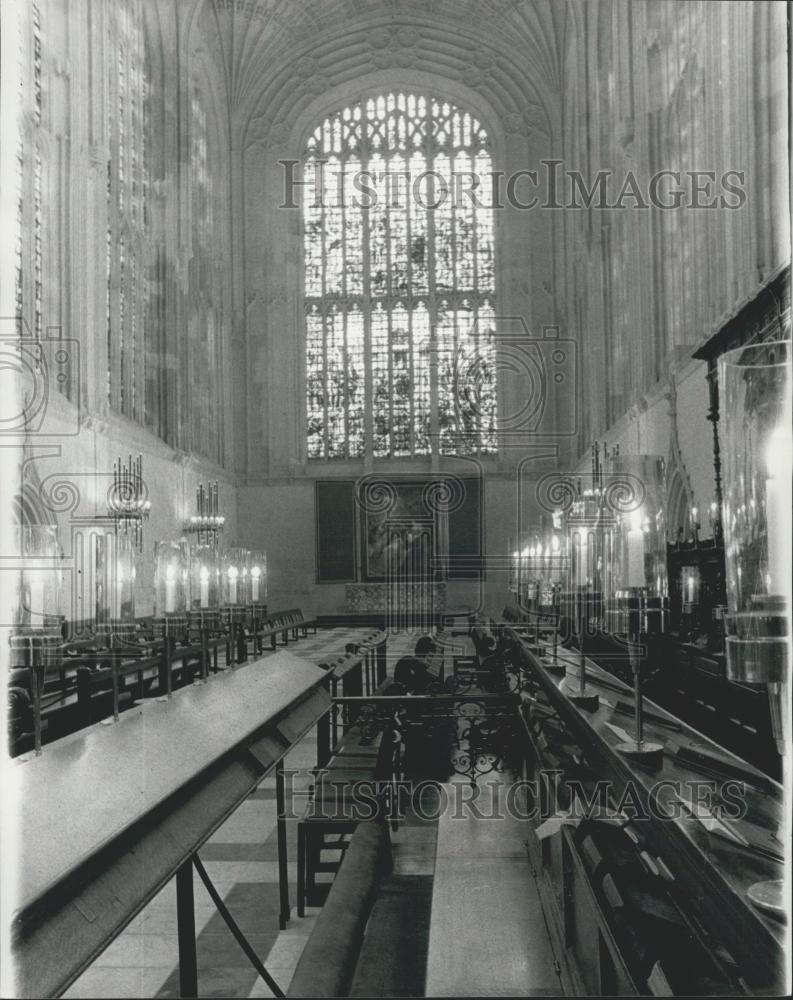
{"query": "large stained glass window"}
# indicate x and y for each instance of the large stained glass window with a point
(399, 283)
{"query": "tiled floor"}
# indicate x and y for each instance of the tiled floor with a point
(241, 860)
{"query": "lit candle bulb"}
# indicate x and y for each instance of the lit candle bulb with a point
(636, 550)
(778, 506)
(255, 574)
(119, 584)
(170, 588)
(233, 573)
(36, 597)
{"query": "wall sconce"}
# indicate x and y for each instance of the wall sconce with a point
(128, 503)
(207, 522)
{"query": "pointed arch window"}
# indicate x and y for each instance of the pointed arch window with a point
(399, 283)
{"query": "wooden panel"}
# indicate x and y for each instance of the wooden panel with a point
(465, 533)
(487, 932)
(335, 523)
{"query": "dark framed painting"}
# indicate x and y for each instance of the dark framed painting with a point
(399, 531)
(428, 528)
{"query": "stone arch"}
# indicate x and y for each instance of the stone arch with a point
(678, 497)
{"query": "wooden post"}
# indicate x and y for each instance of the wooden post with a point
(185, 929)
(283, 873)
(323, 739)
(165, 665)
(204, 654)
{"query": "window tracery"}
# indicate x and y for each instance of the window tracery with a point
(399, 280)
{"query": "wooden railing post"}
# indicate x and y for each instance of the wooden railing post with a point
(165, 678)
(283, 871)
(185, 929)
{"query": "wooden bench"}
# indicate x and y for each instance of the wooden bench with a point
(103, 674)
(347, 753)
(281, 626)
(328, 963)
(108, 668)
(336, 808)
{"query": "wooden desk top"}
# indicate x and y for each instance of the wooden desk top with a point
(85, 790)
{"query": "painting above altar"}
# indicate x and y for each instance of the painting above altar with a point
(400, 540)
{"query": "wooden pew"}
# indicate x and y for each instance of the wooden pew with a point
(109, 668)
(328, 962)
(281, 626)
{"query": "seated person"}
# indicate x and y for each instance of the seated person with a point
(412, 673)
(484, 644)
(495, 680)
(426, 646)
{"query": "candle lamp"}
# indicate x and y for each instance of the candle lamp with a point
(755, 384)
(257, 561)
(204, 574)
(39, 592)
(581, 525)
(715, 520)
(689, 585)
(35, 638)
(639, 551)
(235, 579)
(694, 520)
(171, 578)
(638, 604)
(514, 569)
(116, 575)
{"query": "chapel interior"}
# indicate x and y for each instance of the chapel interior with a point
(396, 511)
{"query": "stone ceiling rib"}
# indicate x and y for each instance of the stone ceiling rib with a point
(511, 51)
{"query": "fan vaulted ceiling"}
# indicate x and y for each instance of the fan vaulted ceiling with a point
(276, 56)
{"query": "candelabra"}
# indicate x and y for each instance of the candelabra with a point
(39, 582)
(584, 543)
(207, 522)
(128, 503)
(639, 603)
